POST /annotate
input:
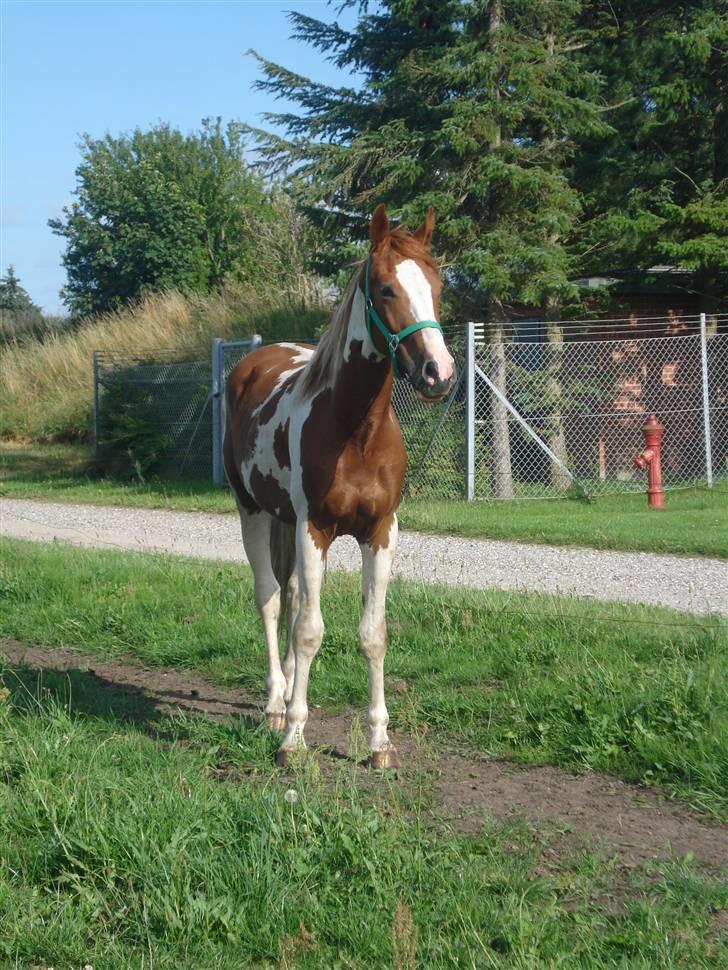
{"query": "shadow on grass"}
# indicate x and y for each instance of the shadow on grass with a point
(40, 463)
(118, 700)
(70, 471)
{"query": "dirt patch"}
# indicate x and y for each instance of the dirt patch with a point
(600, 812)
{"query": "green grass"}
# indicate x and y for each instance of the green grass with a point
(693, 522)
(639, 692)
(65, 473)
(122, 846)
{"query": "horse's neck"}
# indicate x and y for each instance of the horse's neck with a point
(362, 390)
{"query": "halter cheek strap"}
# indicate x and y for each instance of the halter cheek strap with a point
(393, 340)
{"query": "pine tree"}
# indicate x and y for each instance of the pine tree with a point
(471, 107)
(13, 297)
(655, 190)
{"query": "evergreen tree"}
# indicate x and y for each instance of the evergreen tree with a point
(655, 189)
(471, 107)
(13, 297)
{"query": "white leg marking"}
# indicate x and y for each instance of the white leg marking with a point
(376, 569)
(256, 539)
(308, 632)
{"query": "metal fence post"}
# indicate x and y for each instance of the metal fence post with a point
(706, 400)
(470, 410)
(218, 472)
(95, 367)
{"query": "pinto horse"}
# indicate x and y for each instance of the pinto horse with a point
(313, 450)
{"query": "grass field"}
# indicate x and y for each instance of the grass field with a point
(693, 523)
(122, 848)
(637, 692)
(172, 842)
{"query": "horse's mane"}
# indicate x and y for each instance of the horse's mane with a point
(323, 366)
(329, 353)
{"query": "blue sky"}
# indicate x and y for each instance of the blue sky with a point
(74, 66)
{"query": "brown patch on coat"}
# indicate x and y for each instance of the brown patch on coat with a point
(352, 452)
(271, 496)
(281, 449)
(268, 411)
(380, 538)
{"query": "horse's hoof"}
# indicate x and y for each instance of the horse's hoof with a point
(283, 758)
(276, 722)
(385, 759)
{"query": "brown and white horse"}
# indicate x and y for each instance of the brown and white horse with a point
(313, 450)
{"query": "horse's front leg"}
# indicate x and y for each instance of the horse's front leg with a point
(377, 557)
(307, 632)
(256, 528)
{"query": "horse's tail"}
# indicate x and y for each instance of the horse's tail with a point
(283, 560)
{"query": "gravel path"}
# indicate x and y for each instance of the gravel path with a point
(689, 584)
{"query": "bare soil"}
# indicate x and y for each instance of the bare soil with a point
(626, 822)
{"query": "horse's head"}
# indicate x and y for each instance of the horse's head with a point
(402, 288)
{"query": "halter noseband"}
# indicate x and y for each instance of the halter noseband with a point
(393, 340)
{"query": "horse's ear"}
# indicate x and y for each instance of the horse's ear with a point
(379, 229)
(424, 233)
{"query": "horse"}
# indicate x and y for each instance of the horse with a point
(313, 450)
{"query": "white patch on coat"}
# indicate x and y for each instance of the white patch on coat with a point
(358, 330)
(264, 457)
(376, 570)
(419, 292)
(303, 354)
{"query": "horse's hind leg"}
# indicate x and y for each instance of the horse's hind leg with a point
(256, 528)
(289, 661)
(307, 632)
(377, 557)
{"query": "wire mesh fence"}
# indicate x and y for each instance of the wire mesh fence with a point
(525, 418)
(152, 415)
(435, 435)
(587, 401)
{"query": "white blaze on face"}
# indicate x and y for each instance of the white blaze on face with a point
(414, 282)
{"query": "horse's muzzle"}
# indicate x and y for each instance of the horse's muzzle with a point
(430, 386)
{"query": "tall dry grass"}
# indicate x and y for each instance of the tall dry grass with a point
(46, 388)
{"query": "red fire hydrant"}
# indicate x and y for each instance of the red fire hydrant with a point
(650, 458)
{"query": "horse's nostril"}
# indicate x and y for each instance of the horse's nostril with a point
(430, 371)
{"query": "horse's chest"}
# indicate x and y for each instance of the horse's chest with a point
(354, 488)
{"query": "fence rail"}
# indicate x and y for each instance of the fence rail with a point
(524, 419)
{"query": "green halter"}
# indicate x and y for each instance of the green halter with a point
(393, 339)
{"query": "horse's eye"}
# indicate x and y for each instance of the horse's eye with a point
(387, 292)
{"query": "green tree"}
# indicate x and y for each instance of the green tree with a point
(655, 188)
(19, 316)
(160, 210)
(471, 106)
(13, 297)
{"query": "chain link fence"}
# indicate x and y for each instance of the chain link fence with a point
(579, 410)
(525, 419)
(152, 415)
